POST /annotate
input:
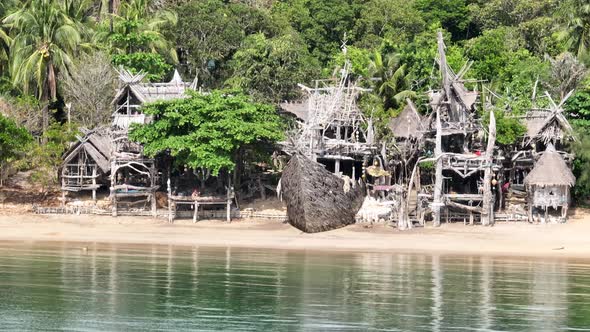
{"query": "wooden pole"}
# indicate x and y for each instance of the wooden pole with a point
(486, 215)
(113, 190)
(94, 184)
(438, 180)
(196, 214)
(169, 191)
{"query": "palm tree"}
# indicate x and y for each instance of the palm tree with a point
(392, 82)
(575, 26)
(45, 40)
(136, 16)
(5, 7)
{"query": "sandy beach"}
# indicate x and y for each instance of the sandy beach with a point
(513, 239)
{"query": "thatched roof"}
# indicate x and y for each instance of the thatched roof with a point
(316, 199)
(539, 121)
(408, 123)
(550, 170)
(96, 144)
(150, 92)
(299, 109)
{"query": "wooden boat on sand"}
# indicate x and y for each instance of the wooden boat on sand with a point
(318, 200)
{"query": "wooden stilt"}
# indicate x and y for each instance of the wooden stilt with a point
(94, 184)
(546, 215)
(169, 189)
(228, 217)
(196, 213)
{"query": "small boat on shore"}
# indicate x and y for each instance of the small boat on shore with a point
(318, 200)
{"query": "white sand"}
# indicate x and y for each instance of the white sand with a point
(514, 239)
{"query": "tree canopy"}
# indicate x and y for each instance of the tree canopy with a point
(208, 131)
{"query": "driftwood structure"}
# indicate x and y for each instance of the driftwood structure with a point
(549, 185)
(317, 200)
(86, 163)
(333, 130)
(453, 170)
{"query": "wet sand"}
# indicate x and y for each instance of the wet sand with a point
(510, 239)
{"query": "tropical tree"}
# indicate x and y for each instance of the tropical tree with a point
(209, 132)
(393, 83)
(575, 26)
(89, 99)
(45, 40)
(5, 7)
(13, 140)
(137, 42)
(270, 68)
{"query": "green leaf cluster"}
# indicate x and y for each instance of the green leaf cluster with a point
(208, 131)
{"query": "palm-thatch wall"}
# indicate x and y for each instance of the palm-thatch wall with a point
(316, 199)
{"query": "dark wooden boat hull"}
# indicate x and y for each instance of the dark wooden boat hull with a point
(316, 199)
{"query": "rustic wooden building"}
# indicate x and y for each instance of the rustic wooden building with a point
(332, 129)
(548, 185)
(86, 165)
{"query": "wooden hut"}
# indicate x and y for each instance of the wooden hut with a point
(408, 124)
(133, 93)
(86, 163)
(548, 184)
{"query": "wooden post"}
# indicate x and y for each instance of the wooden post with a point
(438, 182)
(261, 188)
(169, 189)
(544, 221)
(94, 184)
(337, 166)
(196, 214)
(228, 217)
(112, 189)
(487, 206)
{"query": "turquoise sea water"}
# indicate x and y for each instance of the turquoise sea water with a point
(62, 287)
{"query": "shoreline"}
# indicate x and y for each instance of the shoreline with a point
(570, 240)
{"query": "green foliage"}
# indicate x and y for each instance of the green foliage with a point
(208, 131)
(359, 58)
(508, 129)
(451, 14)
(13, 142)
(45, 40)
(270, 68)
(153, 64)
(574, 29)
(137, 42)
(323, 24)
(210, 31)
(45, 159)
(419, 56)
(395, 20)
(577, 109)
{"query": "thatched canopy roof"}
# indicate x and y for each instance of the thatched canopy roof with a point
(150, 92)
(299, 109)
(317, 199)
(96, 144)
(550, 170)
(539, 121)
(408, 123)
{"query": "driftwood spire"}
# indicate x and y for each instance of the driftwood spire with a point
(487, 214)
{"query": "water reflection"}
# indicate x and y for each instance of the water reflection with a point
(113, 287)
